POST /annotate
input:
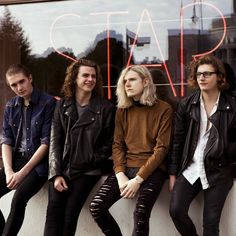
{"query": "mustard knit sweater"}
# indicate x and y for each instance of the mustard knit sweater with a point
(142, 137)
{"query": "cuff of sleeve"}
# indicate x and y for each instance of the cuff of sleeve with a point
(172, 170)
(119, 169)
(44, 141)
(143, 174)
(7, 141)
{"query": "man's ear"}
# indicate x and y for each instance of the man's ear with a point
(30, 78)
(145, 82)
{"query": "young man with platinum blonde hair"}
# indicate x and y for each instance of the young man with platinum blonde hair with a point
(141, 142)
(148, 96)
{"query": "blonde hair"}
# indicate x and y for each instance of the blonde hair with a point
(148, 96)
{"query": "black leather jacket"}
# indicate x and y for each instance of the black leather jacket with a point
(220, 151)
(80, 145)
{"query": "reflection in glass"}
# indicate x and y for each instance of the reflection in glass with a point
(47, 37)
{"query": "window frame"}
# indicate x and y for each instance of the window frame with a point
(9, 2)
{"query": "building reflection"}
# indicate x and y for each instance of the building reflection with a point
(49, 68)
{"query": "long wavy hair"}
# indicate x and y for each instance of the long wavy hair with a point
(208, 60)
(69, 85)
(148, 96)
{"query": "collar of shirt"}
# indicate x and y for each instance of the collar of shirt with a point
(33, 99)
(215, 106)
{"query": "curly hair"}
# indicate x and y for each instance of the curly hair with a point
(208, 60)
(69, 85)
(149, 93)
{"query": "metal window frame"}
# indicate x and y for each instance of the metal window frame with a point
(10, 2)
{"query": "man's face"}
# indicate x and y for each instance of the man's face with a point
(20, 85)
(207, 82)
(86, 79)
(134, 85)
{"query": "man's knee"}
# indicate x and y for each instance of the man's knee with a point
(176, 211)
(96, 207)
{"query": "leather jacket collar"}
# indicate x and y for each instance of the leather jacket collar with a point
(223, 105)
(69, 109)
(223, 102)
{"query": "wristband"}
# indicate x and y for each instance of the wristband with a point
(138, 179)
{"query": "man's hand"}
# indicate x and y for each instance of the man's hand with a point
(9, 176)
(122, 180)
(172, 179)
(131, 189)
(14, 179)
(60, 184)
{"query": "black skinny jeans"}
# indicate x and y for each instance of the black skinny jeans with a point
(31, 184)
(64, 207)
(109, 193)
(214, 199)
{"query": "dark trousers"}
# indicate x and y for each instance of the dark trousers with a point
(31, 184)
(64, 207)
(109, 193)
(214, 199)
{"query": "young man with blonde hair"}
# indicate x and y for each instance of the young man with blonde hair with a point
(141, 143)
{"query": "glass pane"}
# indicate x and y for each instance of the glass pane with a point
(47, 37)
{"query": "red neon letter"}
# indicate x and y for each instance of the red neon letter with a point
(182, 39)
(108, 45)
(145, 11)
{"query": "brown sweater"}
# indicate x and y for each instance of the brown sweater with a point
(142, 137)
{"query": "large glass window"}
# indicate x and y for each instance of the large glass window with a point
(164, 35)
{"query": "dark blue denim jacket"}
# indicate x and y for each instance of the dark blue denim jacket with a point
(38, 122)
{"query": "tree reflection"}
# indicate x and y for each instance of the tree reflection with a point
(12, 32)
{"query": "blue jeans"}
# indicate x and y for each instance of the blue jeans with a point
(31, 184)
(109, 193)
(214, 199)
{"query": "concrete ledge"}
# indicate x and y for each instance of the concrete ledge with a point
(160, 223)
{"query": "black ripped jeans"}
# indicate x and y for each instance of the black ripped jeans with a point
(109, 193)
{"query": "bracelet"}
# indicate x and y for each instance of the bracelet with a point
(138, 179)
